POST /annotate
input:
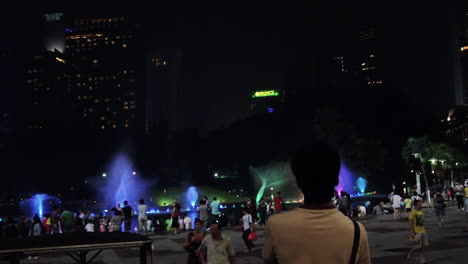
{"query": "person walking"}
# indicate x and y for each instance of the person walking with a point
(459, 195)
(175, 216)
(192, 242)
(396, 205)
(142, 216)
(309, 234)
(127, 214)
(278, 201)
(408, 205)
(215, 213)
(417, 232)
(216, 248)
(247, 224)
(439, 205)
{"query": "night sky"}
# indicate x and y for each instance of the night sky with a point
(233, 49)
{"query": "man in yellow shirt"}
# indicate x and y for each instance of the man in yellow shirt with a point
(418, 232)
(316, 232)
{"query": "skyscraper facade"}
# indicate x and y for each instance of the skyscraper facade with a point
(368, 57)
(105, 52)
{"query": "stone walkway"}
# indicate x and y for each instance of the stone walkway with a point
(389, 241)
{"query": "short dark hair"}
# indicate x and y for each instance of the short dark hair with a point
(416, 201)
(125, 202)
(320, 164)
(214, 198)
(142, 201)
(198, 220)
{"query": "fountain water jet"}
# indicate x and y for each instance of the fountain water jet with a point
(192, 195)
(38, 204)
(122, 183)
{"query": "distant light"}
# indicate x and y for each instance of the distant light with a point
(404, 182)
(412, 171)
(267, 93)
(86, 182)
(216, 175)
(60, 60)
(271, 188)
(448, 118)
(271, 110)
(104, 175)
(105, 210)
(68, 30)
(134, 173)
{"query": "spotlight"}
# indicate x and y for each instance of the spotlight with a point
(134, 173)
(104, 175)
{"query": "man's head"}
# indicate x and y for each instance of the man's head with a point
(142, 201)
(278, 194)
(318, 164)
(415, 193)
(215, 230)
(125, 203)
(245, 211)
(214, 199)
(418, 204)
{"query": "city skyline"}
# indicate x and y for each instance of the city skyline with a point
(221, 79)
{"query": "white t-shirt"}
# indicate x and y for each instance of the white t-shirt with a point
(142, 212)
(362, 210)
(458, 189)
(89, 227)
(187, 223)
(247, 219)
(396, 201)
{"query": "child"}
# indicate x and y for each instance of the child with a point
(89, 227)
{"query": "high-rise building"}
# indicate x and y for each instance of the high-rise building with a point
(369, 68)
(48, 83)
(53, 31)
(164, 95)
(106, 54)
(266, 101)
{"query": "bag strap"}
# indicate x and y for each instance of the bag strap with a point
(357, 238)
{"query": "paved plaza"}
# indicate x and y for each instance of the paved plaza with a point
(389, 242)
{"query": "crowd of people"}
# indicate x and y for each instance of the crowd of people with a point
(323, 214)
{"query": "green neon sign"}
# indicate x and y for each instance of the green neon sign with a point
(268, 93)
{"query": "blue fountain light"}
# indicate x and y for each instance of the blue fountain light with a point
(192, 195)
(38, 204)
(122, 183)
(361, 183)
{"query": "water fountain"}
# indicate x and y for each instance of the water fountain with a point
(276, 176)
(122, 183)
(361, 184)
(192, 195)
(346, 180)
(38, 204)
